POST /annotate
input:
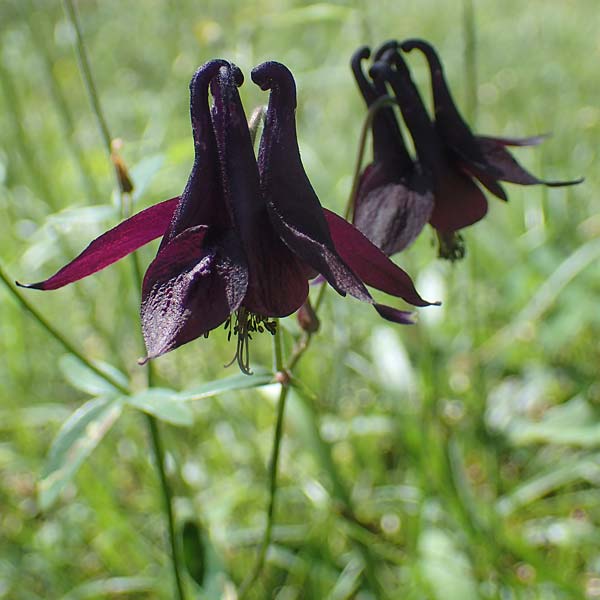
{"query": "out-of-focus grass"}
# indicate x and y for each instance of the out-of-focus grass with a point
(468, 446)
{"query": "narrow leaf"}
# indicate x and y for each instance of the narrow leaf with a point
(164, 404)
(84, 379)
(227, 384)
(75, 441)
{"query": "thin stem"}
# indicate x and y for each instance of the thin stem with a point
(470, 54)
(362, 142)
(262, 553)
(299, 350)
(38, 37)
(277, 350)
(65, 343)
(87, 74)
(304, 342)
(159, 460)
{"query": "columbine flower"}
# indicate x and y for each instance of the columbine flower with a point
(483, 157)
(458, 202)
(394, 199)
(243, 239)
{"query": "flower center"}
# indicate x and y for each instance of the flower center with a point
(451, 245)
(243, 324)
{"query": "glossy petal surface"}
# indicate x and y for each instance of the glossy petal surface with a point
(370, 263)
(196, 281)
(113, 245)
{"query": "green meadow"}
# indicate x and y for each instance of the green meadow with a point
(454, 459)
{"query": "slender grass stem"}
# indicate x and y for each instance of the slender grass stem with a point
(470, 58)
(86, 73)
(59, 337)
(159, 459)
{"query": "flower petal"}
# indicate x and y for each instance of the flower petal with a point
(370, 263)
(458, 201)
(293, 206)
(391, 214)
(202, 201)
(508, 168)
(389, 313)
(388, 143)
(195, 282)
(113, 245)
(451, 127)
(528, 141)
(277, 279)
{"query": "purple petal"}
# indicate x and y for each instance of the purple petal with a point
(370, 263)
(113, 245)
(388, 143)
(389, 313)
(293, 206)
(391, 214)
(485, 179)
(528, 141)
(195, 282)
(202, 201)
(451, 127)
(277, 279)
(509, 169)
(458, 201)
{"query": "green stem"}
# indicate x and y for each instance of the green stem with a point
(87, 74)
(470, 54)
(266, 541)
(159, 460)
(39, 37)
(65, 343)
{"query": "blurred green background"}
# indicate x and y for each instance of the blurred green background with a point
(455, 459)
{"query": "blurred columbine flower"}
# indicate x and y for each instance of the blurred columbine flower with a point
(448, 153)
(458, 202)
(243, 239)
(483, 157)
(394, 200)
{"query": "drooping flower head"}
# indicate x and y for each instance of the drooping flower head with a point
(244, 238)
(458, 202)
(448, 153)
(394, 198)
(483, 157)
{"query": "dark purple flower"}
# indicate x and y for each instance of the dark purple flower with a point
(394, 200)
(458, 202)
(242, 241)
(483, 157)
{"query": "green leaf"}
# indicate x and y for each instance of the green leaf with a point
(164, 404)
(227, 384)
(75, 441)
(84, 379)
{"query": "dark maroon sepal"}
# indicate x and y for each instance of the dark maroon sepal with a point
(116, 243)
